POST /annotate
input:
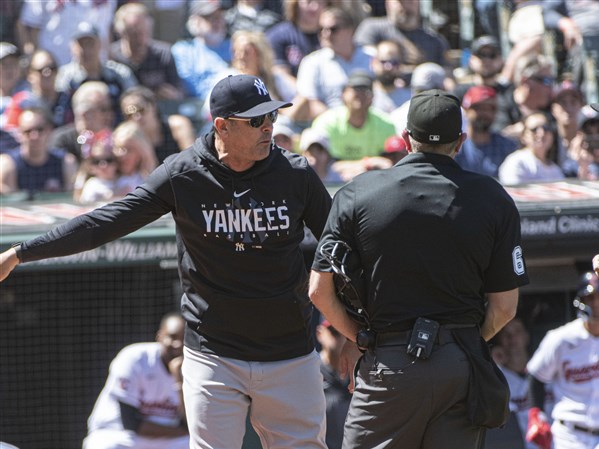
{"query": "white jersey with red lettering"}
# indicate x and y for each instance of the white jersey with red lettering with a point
(139, 378)
(568, 358)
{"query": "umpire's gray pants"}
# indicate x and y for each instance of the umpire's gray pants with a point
(286, 397)
(405, 405)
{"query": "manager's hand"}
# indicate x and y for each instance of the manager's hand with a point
(8, 262)
(596, 264)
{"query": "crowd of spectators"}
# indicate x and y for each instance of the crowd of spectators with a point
(349, 68)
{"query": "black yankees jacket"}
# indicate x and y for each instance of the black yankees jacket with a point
(238, 234)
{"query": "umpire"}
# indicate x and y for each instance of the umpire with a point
(441, 258)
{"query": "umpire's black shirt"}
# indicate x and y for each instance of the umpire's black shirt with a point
(432, 238)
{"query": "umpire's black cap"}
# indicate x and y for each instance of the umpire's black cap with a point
(434, 116)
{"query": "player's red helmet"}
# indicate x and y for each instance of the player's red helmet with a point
(589, 284)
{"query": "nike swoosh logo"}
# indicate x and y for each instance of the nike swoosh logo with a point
(237, 195)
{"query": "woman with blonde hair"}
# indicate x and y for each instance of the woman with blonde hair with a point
(253, 55)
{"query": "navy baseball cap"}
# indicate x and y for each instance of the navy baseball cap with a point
(243, 96)
(434, 116)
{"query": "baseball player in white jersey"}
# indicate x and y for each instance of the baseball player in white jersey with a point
(510, 352)
(141, 406)
(568, 357)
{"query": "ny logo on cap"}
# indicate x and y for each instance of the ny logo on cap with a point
(434, 137)
(262, 90)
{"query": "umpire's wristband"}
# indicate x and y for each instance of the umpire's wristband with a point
(19, 253)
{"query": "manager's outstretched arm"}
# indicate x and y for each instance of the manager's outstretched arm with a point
(8, 262)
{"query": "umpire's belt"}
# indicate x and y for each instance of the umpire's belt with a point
(444, 335)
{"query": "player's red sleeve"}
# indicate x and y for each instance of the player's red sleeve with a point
(539, 430)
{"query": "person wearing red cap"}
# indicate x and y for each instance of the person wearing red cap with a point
(485, 150)
(395, 149)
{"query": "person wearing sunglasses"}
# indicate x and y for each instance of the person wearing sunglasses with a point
(531, 91)
(389, 87)
(36, 166)
(240, 205)
(537, 159)
(99, 171)
(323, 73)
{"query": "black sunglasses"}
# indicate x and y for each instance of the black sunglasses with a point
(539, 127)
(487, 54)
(257, 122)
(108, 160)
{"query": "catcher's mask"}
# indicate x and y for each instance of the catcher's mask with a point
(348, 278)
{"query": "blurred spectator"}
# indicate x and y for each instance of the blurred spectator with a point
(510, 352)
(41, 76)
(488, 16)
(579, 23)
(169, 18)
(402, 24)
(283, 135)
(253, 55)
(7, 141)
(92, 112)
(314, 145)
(359, 9)
(484, 150)
(250, 15)
(297, 36)
(584, 148)
(565, 108)
(395, 149)
(426, 76)
(525, 32)
(390, 90)
(336, 393)
(98, 174)
(485, 64)
(534, 80)
(207, 53)
(323, 73)
(485, 67)
(134, 153)
(536, 161)
(356, 130)
(86, 65)
(150, 60)
(35, 166)
(9, 15)
(52, 24)
(11, 76)
(169, 135)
